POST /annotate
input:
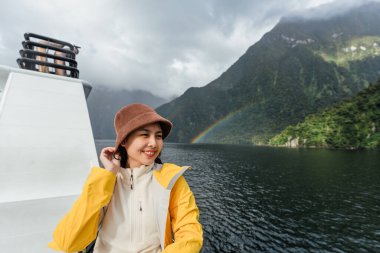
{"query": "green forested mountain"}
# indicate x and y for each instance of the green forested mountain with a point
(353, 124)
(298, 68)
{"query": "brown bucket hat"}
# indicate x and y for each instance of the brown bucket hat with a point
(134, 116)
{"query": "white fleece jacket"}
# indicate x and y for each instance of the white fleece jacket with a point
(129, 224)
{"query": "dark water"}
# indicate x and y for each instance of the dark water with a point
(261, 199)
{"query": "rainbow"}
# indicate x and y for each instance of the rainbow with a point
(202, 135)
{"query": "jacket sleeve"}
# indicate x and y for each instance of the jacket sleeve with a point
(184, 214)
(79, 226)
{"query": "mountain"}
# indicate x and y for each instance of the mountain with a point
(298, 68)
(351, 124)
(104, 102)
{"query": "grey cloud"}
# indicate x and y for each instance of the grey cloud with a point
(161, 46)
(327, 10)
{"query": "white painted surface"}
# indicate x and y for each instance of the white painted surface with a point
(46, 151)
(46, 141)
(27, 226)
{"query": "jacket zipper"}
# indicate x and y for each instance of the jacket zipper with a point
(131, 179)
(132, 203)
(140, 222)
(131, 217)
(138, 225)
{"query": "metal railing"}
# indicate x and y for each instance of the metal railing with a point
(36, 55)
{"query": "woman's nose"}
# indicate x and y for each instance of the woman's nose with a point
(152, 141)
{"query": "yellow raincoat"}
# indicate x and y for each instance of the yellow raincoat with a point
(177, 213)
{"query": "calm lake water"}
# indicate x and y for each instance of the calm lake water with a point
(262, 199)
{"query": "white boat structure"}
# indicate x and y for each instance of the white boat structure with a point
(46, 144)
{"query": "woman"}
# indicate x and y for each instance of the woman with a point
(149, 205)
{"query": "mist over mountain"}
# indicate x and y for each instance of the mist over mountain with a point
(298, 68)
(104, 102)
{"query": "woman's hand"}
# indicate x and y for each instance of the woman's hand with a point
(108, 161)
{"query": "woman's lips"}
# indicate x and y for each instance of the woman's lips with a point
(150, 153)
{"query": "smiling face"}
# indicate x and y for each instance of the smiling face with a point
(143, 145)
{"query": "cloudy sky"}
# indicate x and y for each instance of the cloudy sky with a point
(164, 46)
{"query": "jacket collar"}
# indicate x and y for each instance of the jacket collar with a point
(138, 172)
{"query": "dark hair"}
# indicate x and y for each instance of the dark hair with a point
(123, 157)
